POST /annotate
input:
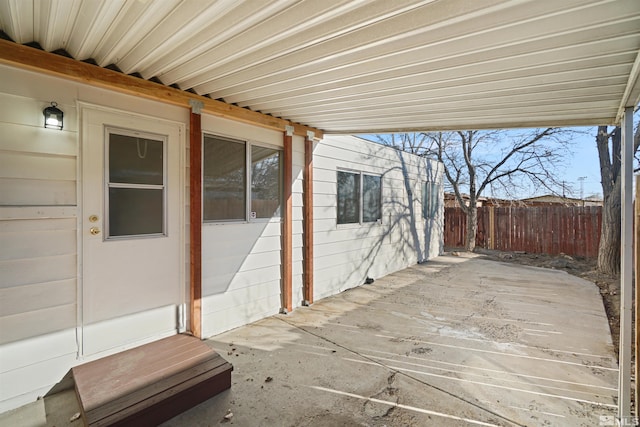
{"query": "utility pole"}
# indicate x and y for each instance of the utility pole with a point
(581, 179)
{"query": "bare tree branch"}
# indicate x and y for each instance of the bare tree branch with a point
(475, 160)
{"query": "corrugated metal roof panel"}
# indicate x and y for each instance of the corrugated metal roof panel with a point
(363, 66)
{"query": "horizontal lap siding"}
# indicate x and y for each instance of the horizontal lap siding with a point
(38, 241)
(297, 296)
(25, 374)
(38, 255)
(241, 262)
(240, 274)
(38, 227)
(346, 254)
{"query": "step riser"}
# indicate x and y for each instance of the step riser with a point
(177, 404)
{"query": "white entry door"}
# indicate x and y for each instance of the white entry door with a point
(132, 250)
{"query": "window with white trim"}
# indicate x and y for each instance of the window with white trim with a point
(359, 197)
(371, 198)
(240, 181)
(136, 184)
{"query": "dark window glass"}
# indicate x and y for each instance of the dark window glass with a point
(371, 198)
(135, 211)
(134, 160)
(136, 186)
(224, 179)
(348, 197)
(430, 202)
(265, 182)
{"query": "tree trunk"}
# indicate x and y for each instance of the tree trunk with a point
(472, 227)
(609, 248)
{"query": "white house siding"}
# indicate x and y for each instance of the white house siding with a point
(345, 255)
(297, 221)
(40, 285)
(241, 261)
(433, 228)
(39, 208)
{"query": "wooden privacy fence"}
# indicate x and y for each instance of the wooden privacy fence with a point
(545, 230)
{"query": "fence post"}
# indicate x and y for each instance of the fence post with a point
(492, 228)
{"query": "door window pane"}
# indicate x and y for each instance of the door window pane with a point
(135, 211)
(134, 160)
(135, 188)
(348, 197)
(371, 198)
(265, 182)
(224, 178)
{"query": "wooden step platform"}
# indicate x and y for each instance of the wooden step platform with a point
(150, 384)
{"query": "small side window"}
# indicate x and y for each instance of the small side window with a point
(359, 197)
(266, 182)
(237, 175)
(224, 178)
(348, 197)
(371, 198)
(430, 199)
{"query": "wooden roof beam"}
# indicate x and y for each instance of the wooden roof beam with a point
(59, 66)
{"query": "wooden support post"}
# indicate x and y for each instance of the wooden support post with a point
(308, 219)
(195, 219)
(624, 380)
(287, 227)
(637, 312)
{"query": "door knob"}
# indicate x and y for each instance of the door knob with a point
(94, 230)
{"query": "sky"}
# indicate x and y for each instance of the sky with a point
(581, 172)
(581, 162)
(584, 163)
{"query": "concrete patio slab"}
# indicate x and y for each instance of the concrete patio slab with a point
(455, 341)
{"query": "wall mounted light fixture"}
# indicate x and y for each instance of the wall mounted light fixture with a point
(53, 117)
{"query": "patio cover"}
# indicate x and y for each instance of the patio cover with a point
(354, 66)
(357, 66)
